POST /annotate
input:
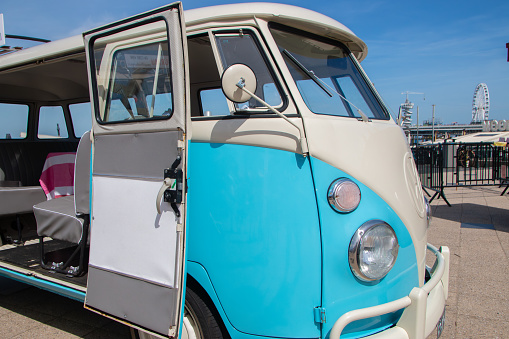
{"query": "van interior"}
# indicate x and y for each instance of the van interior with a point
(44, 113)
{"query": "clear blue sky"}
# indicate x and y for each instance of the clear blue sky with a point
(441, 48)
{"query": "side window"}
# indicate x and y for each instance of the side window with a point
(52, 123)
(13, 121)
(81, 118)
(139, 86)
(213, 102)
(242, 48)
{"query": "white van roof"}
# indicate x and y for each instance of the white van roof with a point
(45, 51)
(294, 16)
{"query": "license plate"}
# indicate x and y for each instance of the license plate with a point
(440, 325)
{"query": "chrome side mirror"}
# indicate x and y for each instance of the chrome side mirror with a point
(233, 81)
(239, 84)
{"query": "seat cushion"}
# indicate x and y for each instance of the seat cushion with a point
(18, 200)
(56, 219)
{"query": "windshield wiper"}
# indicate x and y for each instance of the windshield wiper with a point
(309, 73)
(322, 84)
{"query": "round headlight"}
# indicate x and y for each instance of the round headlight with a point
(373, 250)
(344, 195)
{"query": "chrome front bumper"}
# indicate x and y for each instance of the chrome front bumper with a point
(423, 306)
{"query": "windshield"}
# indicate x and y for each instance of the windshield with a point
(326, 75)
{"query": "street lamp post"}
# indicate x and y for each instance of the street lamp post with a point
(417, 134)
(433, 125)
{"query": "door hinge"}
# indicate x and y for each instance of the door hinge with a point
(320, 315)
(181, 144)
(172, 331)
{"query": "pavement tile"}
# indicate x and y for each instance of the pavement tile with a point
(116, 327)
(485, 286)
(482, 307)
(452, 301)
(86, 317)
(451, 220)
(471, 273)
(497, 206)
(480, 238)
(445, 235)
(454, 265)
(501, 223)
(472, 195)
(46, 315)
(446, 212)
(112, 330)
(58, 328)
(503, 238)
(476, 218)
(102, 334)
(4, 310)
(25, 297)
(47, 305)
(469, 327)
(453, 284)
(14, 323)
(479, 249)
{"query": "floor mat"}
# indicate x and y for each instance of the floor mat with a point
(28, 257)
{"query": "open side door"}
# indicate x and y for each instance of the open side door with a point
(139, 84)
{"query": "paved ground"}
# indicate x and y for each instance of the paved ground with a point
(476, 228)
(33, 313)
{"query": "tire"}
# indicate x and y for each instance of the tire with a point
(200, 319)
(200, 322)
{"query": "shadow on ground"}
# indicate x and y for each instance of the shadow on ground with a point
(474, 213)
(26, 310)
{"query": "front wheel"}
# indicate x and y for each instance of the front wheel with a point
(199, 321)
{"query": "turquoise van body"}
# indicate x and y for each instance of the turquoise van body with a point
(287, 250)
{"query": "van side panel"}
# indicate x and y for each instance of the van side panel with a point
(253, 226)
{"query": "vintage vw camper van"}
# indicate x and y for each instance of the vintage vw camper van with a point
(227, 171)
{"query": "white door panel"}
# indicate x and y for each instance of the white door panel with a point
(115, 225)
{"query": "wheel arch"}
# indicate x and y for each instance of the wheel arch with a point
(199, 281)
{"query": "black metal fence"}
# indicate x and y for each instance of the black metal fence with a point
(461, 165)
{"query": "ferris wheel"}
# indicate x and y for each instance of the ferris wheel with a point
(481, 103)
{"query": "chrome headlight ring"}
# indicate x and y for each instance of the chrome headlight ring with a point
(373, 250)
(344, 195)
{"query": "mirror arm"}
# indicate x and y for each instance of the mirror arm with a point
(302, 139)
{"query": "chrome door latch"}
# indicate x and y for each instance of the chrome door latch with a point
(173, 194)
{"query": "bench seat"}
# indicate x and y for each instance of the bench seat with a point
(19, 200)
(21, 164)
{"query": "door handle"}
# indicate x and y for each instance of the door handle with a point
(171, 190)
(166, 184)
